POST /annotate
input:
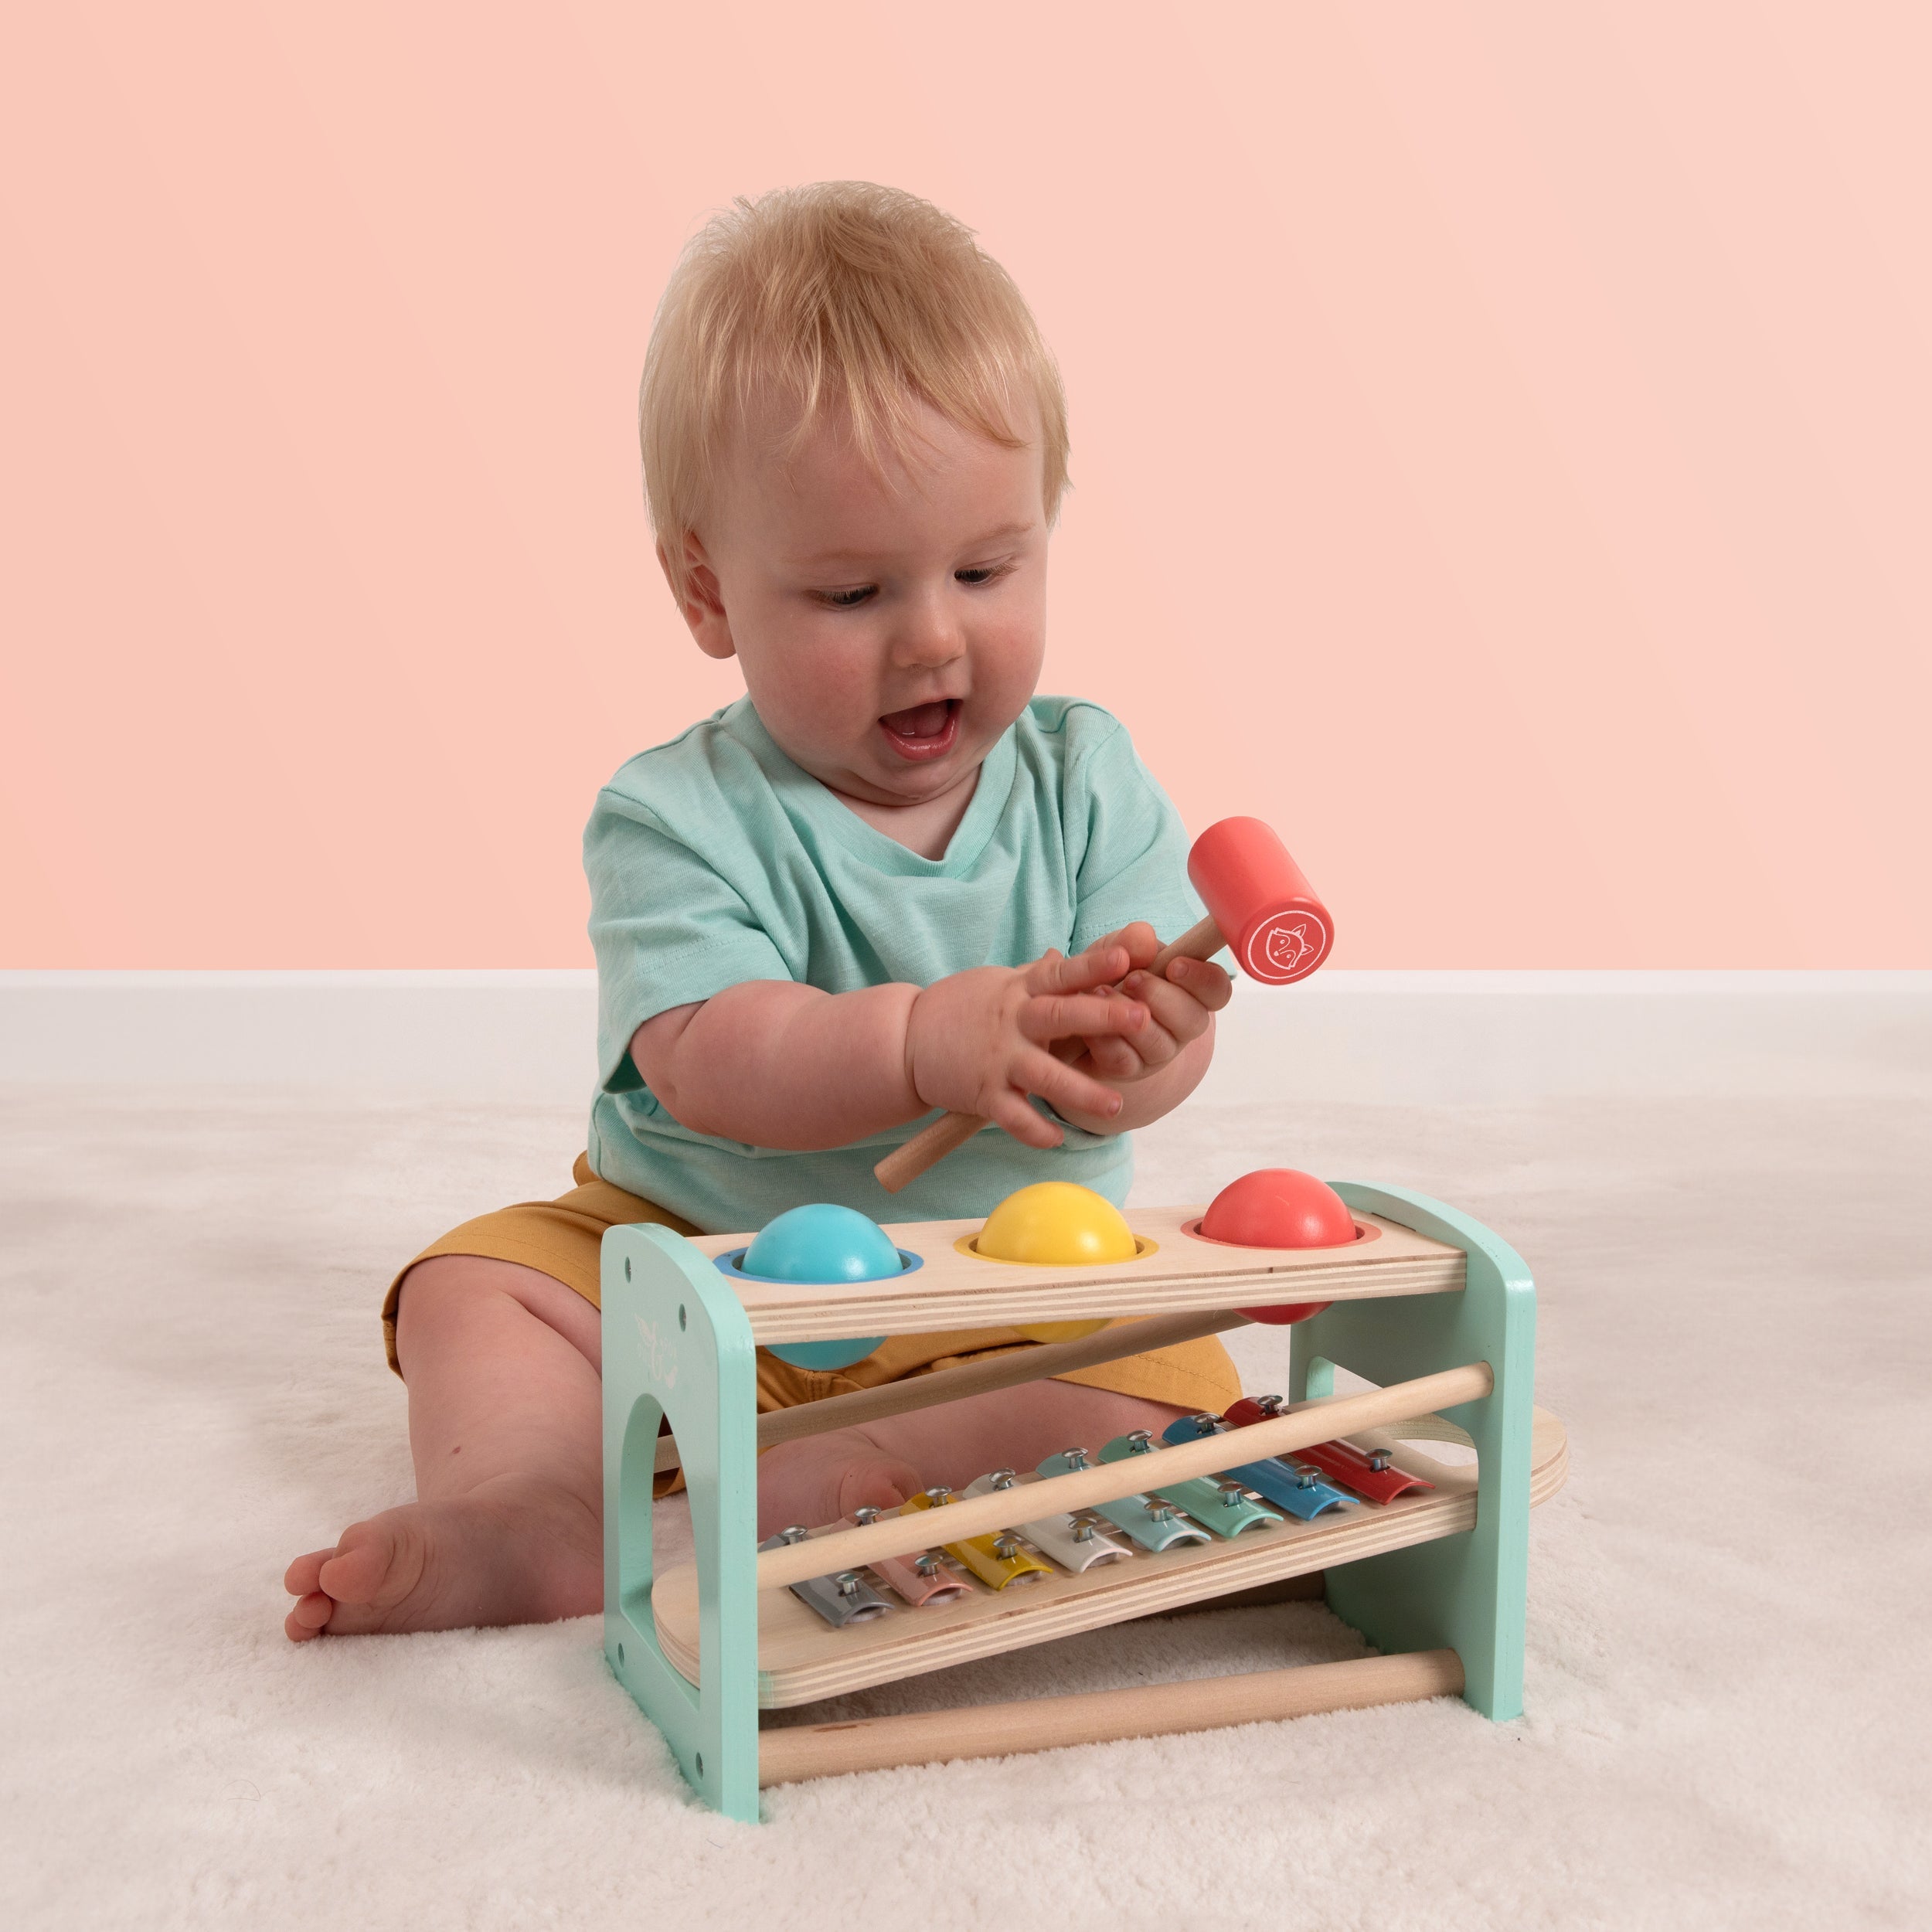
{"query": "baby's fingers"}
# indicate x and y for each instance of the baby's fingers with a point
(1140, 941)
(1205, 981)
(1052, 1017)
(1060, 1086)
(1025, 1122)
(1184, 1008)
(1112, 1058)
(1101, 965)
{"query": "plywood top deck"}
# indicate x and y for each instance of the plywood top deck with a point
(802, 1659)
(1183, 1274)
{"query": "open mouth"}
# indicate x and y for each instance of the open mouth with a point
(922, 732)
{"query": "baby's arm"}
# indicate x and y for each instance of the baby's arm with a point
(777, 1064)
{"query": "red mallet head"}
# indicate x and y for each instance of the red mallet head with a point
(1279, 1207)
(1277, 929)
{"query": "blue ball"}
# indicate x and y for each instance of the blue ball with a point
(823, 1356)
(821, 1243)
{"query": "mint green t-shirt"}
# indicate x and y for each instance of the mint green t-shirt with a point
(714, 859)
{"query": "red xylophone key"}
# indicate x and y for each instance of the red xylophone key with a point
(1368, 1473)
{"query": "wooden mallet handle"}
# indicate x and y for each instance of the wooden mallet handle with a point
(1260, 906)
(930, 1145)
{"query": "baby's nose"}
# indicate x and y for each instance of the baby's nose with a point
(928, 635)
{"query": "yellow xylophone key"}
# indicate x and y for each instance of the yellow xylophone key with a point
(998, 1561)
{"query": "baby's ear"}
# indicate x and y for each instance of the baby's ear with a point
(698, 595)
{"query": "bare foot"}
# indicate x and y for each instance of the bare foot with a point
(513, 1550)
(817, 1479)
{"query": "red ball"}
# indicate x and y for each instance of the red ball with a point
(1279, 1207)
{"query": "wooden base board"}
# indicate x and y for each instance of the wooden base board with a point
(1307, 1588)
(802, 1659)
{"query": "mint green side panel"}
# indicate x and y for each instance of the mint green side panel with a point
(676, 1343)
(1470, 1592)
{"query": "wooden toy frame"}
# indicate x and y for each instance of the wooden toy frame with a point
(1429, 1305)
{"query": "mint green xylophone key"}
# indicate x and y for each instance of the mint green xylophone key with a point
(1153, 1522)
(1224, 1506)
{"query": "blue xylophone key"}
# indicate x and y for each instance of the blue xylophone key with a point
(1297, 1489)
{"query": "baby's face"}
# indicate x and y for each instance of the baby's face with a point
(887, 636)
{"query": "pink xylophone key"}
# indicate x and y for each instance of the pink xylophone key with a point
(922, 1580)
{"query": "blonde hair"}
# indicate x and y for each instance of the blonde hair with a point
(848, 300)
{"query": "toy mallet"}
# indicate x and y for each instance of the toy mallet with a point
(1259, 907)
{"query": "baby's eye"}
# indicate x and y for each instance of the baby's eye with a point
(980, 573)
(846, 600)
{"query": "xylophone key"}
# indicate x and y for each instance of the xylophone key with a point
(1296, 1489)
(998, 1561)
(841, 1598)
(1071, 1542)
(1152, 1523)
(1222, 1505)
(1368, 1472)
(923, 1580)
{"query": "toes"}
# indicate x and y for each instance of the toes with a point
(883, 1484)
(373, 1565)
(309, 1618)
(305, 1574)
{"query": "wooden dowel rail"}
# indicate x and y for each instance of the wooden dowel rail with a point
(1092, 1717)
(1108, 1482)
(978, 1378)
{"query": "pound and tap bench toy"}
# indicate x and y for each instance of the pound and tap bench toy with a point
(1427, 1558)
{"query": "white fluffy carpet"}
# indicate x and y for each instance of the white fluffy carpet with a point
(1728, 1709)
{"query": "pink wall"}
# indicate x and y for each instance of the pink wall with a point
(1501, 445)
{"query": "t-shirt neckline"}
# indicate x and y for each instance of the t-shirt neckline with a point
(805, 796)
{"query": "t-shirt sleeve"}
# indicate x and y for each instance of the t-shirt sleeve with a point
(668, 928)
(1134, 865)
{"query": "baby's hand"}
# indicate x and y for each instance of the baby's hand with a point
(1181, 1004)
(977, 1042)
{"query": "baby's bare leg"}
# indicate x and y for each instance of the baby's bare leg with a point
(505, 1431)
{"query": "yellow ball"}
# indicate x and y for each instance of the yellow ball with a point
(1056, 1224)
(1057, 1330)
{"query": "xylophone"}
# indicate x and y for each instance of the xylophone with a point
(1427, 1558)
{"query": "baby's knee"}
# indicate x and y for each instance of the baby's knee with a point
(449, 1296)
(1104, 1414)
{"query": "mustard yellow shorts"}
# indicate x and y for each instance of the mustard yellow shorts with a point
(561, 1239)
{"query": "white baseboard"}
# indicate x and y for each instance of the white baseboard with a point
(525, 1035)
(1413, 1038)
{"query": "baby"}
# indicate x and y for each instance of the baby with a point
(889, 879)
